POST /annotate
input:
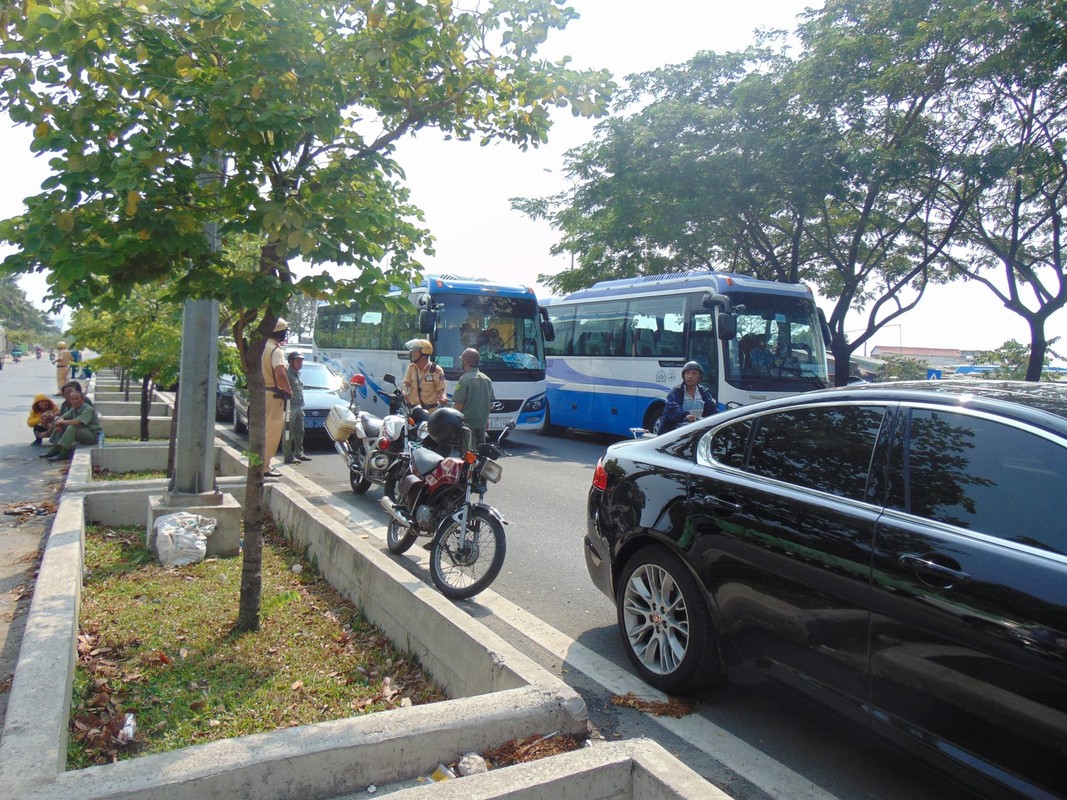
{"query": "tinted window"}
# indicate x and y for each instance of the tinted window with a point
(979, 474)
(828, 449)
(727, 446)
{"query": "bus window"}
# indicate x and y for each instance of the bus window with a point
(702, 347)
(562, 320)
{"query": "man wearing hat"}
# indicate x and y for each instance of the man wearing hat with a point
(62, 366)
(276, 381)
(293, 444)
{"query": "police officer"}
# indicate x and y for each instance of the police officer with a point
(424, 381)
(293, 444)
(278, 390)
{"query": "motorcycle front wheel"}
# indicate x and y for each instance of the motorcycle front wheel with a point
(356, 474)
(398, 538)
(461, 566)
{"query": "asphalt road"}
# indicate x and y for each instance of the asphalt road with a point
(754, 741)
(27, 483)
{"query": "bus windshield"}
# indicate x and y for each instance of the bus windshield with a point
(778, 347)
(504, 331)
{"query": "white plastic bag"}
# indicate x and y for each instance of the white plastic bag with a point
(181, 538)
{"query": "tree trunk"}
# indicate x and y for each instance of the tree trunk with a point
(146, 405)
(1038, 347)
(252, 562)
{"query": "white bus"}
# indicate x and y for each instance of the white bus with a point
(504, 323)
(620, 345)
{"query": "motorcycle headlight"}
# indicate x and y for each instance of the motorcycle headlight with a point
(491, 470)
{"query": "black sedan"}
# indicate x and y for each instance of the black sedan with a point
(894, 551)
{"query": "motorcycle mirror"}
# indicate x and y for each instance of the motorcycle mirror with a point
(389, 378)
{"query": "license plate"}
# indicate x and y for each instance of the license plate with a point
(498, 424)
(314, 423)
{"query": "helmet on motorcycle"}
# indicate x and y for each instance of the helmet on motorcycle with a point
(692, 365)
(446, 426)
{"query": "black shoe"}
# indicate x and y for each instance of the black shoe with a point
(303, 458)
(36, 443)
(60, 457)
(272, 474)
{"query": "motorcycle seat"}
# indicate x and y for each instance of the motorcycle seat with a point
(372, 426)
(425, 460)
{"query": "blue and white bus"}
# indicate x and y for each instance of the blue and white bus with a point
(620, 345)
(503, 322)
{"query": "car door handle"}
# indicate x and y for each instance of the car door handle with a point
(926, 565)
(718, 503)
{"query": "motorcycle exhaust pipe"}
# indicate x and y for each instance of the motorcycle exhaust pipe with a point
(395, 513)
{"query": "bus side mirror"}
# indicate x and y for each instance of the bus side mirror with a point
(726, 325)
(427, 321)
(548, 330)
(827, 337)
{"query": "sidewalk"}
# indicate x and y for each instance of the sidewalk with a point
(26, 482)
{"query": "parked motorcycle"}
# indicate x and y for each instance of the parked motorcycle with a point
(435, 499)
(371, 446)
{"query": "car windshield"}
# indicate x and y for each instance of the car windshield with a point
(318, 376)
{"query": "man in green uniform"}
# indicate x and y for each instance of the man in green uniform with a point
(474, 395)
(293, 444)
(79, 425)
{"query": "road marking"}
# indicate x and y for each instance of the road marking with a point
(772, 777)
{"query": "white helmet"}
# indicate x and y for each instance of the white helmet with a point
(422, 345)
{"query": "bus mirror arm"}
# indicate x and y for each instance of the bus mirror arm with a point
(711, 299)
(827, 337)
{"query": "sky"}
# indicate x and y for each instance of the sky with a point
(464, 189)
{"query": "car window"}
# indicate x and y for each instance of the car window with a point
(826, 448)
(726, 445)
(977, 473)
(317, 376)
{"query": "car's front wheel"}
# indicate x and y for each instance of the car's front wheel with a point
(665, 625)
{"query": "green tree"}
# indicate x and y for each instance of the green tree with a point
(272, 118)
(1012, 238)
(143, 337)
(1012, 360)
(903, 368)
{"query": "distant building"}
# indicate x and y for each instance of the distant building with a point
(933, 356)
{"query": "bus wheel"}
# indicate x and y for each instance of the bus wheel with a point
(654, 412)
(549, 429)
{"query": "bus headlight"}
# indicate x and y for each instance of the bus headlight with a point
(535, 403)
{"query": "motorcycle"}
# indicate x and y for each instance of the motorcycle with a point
(435, 499)
(38, 355)
(373, 446)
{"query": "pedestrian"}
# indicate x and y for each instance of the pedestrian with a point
(293, 444)
(79, 425)
(474, 395)
(62, 366)
(687, 402)
(424, 381)
(43, 412)
(65, 390)
(278, 393)
(75, 360)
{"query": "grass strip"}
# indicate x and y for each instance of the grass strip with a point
(158, 644)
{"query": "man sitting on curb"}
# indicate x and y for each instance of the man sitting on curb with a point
(79, 425)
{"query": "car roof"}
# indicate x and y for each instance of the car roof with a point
(1043, 404)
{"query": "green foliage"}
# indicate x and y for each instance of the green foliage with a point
(1011, 359)
(21, 318)
(903, 368)
(865, 163)
(144, 337)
